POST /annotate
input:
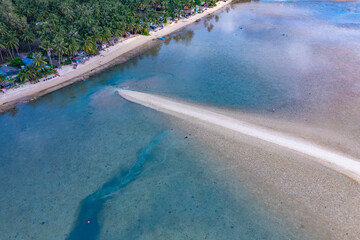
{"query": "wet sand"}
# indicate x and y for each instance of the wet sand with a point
(335, 160)
(310, 197)
(308, 194)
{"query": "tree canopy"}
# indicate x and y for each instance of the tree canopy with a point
(63, 26)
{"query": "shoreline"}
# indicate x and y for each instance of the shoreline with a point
(331, 159)
(125, 50)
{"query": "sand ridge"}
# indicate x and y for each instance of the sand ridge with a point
(337, 161)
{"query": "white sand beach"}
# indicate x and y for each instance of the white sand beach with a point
(68, 74)
(337, 161)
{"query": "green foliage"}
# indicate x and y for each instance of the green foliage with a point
(23, 75)
(145, 32)
(30, 55)
(212, 3)
(10, 18)
(62, 27)
(38, 61)
(32, 73)
(88, 45)
(68, 61)
(2, 78)
(16, 62)
(11, 79)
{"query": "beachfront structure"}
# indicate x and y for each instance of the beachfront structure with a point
(8, 71)
(27, 61)
(188, 10)
(80, 59)
(154, 26)
(157, 8)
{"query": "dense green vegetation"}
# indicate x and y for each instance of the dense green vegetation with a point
(61, 27)
(16, 62)
(39, 68)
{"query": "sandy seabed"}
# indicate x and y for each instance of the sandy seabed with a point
(292, 174)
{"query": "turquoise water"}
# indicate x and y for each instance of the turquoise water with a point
(82, 163)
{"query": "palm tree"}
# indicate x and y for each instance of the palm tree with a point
(3, 34)
(72, 46)
(65, 8)
(97, 34)
(91, 21)
(53, 19)
(2, 78)
(137, 28)
(47, 45)
(28, 38)
(105, 35)
(2, 46)
(32, 73)
(117, 33)
(23, 75)
(3, 30)
(88, 45)
(11, 79)
(38, 61)
(59, 48)
(12, 42)
(131, 26)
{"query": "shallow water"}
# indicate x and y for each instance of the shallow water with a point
(82, 163)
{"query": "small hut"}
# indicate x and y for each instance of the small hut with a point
(80, 59)
(8, 71)
(27, 61)
(188, 10)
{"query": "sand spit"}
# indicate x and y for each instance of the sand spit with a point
(95, 64)
(337, 161)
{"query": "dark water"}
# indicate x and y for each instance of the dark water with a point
(82, 163)
(87, 225)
